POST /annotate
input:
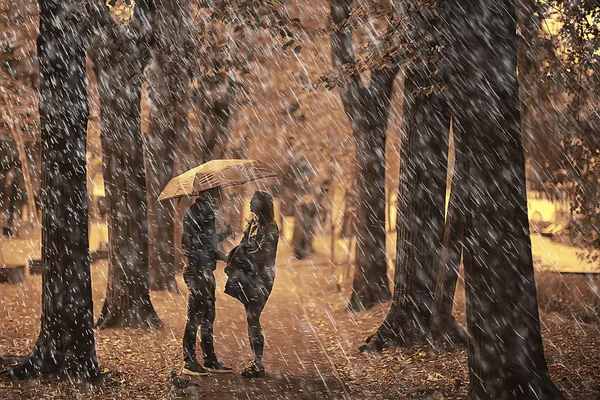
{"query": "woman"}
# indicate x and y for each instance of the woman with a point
(260, 240)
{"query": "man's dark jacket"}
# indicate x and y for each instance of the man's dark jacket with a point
(199, 240)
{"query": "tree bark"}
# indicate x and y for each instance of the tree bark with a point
(168, 121)
(216, 112)
(127, 302)
(445, 333)
(119, 66)
(368, 109)
(506, 357)
(165, 123)
(370, 285)
(420, 221)
(66, 344)
(422, 187)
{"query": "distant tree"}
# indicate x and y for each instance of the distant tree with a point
(18, 107)
(226, 39)
(183, 52)
(66, 344)
(575, 67)
(367, 108)
(216, 107)
(532, 53)
(120, 54)
(506, 357)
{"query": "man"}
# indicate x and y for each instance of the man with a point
(199, 243)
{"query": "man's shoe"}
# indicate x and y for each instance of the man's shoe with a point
(194, 369)
(217, 367)
(253, 371)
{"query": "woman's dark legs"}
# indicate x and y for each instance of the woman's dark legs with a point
(255, 332)
(253, 311)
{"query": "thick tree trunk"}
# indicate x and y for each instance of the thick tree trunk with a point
(420, 221)
(168, 123)
(506, 357)
(370, 285)
(120, 55)
(127, 302)
(528, 46)
(165, 123)
(367, 109)
(66, 344)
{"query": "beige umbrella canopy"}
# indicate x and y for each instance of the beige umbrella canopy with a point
(213, 174)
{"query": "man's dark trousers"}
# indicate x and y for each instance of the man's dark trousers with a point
(201, 312)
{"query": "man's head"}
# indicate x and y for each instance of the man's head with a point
(210, 195)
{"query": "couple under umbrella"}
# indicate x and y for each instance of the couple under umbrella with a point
(250, 265)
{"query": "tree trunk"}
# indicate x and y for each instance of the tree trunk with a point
(506, 357)
(420, 221)
(165, 123)
(370, 285)
(216, 114)
(444, 330)
(120, 55)
(127, 302)
(66, 344)
(367, 109)
(169, 121)
(304, 229)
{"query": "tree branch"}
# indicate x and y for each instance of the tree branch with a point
(342, 53)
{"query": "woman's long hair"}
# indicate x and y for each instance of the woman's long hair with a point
(266, 213)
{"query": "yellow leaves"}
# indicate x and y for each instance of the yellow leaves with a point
(434, 377)
(121, 11)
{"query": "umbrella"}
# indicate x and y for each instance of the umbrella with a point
(213, 174)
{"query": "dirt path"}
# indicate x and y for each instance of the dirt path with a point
(142, 362)
(570, 330)
(296, 363)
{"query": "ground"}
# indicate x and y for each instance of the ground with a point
(571, 332)
(312, 343)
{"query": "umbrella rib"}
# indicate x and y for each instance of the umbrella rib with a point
(216, 173)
